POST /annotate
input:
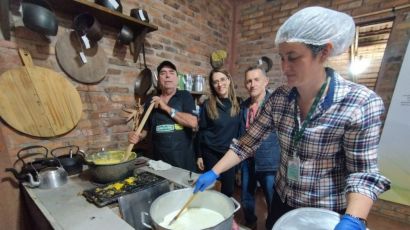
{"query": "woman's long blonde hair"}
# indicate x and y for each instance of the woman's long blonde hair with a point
(211, 109)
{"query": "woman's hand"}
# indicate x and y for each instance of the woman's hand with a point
(200, 163)
(205, 180)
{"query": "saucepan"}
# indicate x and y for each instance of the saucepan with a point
(87, 24)
(108, 166)
(217, 208)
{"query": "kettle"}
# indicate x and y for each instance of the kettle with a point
(50, 177)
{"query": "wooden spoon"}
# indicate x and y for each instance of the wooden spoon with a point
(183, 208)
(139, 129)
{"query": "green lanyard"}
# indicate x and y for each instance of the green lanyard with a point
(299, 133)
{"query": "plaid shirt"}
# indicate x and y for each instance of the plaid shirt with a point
(338, 152)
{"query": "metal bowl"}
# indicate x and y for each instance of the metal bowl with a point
(39, 18)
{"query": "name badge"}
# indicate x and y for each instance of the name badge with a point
(293, 172)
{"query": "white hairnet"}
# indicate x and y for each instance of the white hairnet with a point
(318, 26)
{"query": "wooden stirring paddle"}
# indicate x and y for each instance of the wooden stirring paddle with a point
(139, 129)
(183, 208)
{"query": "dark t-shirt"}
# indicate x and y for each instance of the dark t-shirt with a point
(216, 135)
(171, 141)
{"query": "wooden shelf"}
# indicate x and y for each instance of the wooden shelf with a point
(107, 17)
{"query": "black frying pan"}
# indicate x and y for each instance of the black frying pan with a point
(144, 79)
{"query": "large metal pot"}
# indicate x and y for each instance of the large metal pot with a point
(209, 199)
(107, 166)
(308, 218)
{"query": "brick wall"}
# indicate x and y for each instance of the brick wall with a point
(260, 19)
(188, 31)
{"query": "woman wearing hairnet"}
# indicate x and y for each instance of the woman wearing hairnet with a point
(328, 127)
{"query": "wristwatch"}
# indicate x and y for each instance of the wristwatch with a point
(173, 112)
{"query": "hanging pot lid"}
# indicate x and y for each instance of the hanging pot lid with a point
(68, 48)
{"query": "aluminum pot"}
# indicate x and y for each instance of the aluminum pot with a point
(106, 166)
(209, 199)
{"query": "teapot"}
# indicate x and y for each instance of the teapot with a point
(50, 177)
(37, 164)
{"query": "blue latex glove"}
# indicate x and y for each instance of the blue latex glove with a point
(350, 223)
(205, 180)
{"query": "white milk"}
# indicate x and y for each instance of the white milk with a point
(193, 219)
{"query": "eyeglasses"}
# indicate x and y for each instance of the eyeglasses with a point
(222, 80)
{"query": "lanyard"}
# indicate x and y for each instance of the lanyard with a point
(299, 133)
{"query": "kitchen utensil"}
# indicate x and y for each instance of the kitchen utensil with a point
(126, 35)
(108, 166)
(308, 218)
(132, 205)
(38, 101)
(265, 63)
(68, 48)
(139, 129)
(144, 79)
(209, 199)
(110, 4)
(109, 193)
(50, 177)
(72, 161)
(139, 14)
(5, 19)
(30, 160)
(38, 16)
(86, 24)
(183, 208)
(199, 83)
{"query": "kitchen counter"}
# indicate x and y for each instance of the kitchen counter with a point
(66, 208)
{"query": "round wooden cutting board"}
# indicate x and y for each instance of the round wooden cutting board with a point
(38, 101)
(68, 48)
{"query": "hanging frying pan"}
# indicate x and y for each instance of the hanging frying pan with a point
(144, 79)
(68, 48)
(38, 101)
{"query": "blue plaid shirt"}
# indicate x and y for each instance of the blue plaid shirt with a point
(338, 152)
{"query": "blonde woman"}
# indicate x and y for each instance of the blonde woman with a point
(218, 125)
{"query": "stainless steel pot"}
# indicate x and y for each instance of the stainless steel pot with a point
(174, 200)
(107, 166)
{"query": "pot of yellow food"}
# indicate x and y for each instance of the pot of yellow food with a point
(208, 210)
(108, 166)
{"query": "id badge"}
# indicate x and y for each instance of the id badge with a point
(293, 172)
